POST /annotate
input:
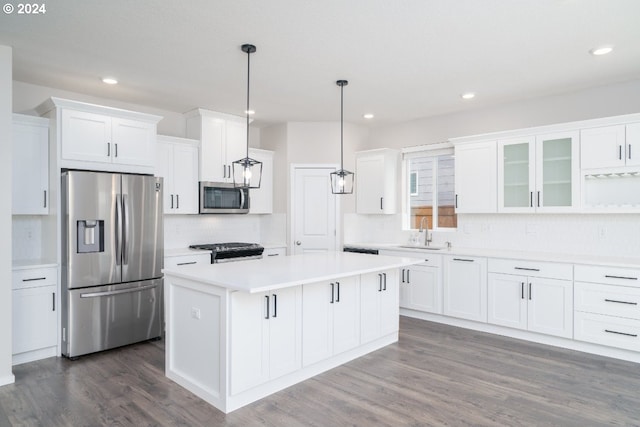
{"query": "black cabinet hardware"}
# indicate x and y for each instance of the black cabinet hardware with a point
(381, 198)
(267, 297)
(116, 149)
(456, 201)
(463, 259)
(53, 300)
(108, 149)
(172, 201)
(619, 152)
(338, 293)
(187, 263)
(526, 269)
(34, 279)
(538, 199)
(275, 306)
(379, 282)
(403, 270)
(45, 198)
(529, 291)
(531, 199)
(177, 201)
(621, 277)
(384, 275)
(521, 290)
(332, 293)
(621, 302)
(408, 278)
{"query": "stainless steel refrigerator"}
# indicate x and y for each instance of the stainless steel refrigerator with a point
(112, 257)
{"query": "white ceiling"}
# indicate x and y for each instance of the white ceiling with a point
(404, 59)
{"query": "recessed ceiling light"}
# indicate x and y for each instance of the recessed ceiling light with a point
(597, 51)
(468, 95)
(368, 116)
(249, 112)
(110, 81)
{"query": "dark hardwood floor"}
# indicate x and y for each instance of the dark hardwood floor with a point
(435, 375)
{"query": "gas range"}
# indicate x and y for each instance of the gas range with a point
(233, 251)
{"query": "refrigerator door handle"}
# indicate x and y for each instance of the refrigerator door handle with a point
(118, 229)
(116, 292)
(125, 230)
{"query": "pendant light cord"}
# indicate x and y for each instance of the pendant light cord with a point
(341, 127)
(247, 112)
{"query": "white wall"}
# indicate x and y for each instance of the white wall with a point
(569, 233)
(6, 376)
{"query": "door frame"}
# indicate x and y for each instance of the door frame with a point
(292, 201)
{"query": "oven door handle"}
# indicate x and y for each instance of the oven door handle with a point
(117, 292)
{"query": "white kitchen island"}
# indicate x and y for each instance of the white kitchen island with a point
(237, 332)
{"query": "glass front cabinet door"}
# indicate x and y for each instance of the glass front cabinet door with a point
(539, 173)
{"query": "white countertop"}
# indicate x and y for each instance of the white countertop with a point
(610, 261)
(265, 274)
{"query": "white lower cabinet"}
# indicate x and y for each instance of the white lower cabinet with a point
(265, 336)
(421, 287)
(379, 305)
(34, 314)
(465, 287)
(330, 318)
(607, 306)
(534, 296)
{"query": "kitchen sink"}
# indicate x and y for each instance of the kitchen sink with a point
(425, 248)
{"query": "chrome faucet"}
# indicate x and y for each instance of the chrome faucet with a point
(425, 229)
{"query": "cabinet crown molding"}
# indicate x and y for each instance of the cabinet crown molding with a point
(53, 103)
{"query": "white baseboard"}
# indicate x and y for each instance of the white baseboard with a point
(9, 379)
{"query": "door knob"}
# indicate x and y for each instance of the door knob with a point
(298, 242)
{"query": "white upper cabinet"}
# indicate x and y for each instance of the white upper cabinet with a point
(30, 171)
(177, 163)
(261, 199)
(539, 173)
(223, 140)
(377, 181)
(94, 137)
(476, 178)
(610, 146)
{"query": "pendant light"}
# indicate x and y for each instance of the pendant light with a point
(247, 172)
(342, 180)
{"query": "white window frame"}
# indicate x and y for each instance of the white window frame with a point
(431, 150)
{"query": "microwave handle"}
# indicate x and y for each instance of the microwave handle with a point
(242, 198)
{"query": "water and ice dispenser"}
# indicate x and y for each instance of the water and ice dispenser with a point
(90, 234)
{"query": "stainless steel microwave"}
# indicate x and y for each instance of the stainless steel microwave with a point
(223, 198)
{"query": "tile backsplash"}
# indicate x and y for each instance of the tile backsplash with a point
(589, 234)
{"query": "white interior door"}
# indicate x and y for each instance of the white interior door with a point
(314, 212)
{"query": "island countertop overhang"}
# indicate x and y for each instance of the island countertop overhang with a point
(261, 275)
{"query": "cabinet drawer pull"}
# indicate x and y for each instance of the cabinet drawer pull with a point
(538, 199)
(332, 293)
(629, 152)
(621, 302)
(116, 149)
(529, 291)
(621, 333)
(379, 282)
(530, 199)
(403, 270)
(34, 279)
(53, 300)
(338, 293)
(187, 263)
(619, 152)
(108, 149)
(177, 201)
(463, 259)
(381, 199)
(45, 198)
(172, 201)
(526, 269)
(456, 201)
(621, 277)
(522, 290)
(408, 271)
(384, 275)
(273, 254)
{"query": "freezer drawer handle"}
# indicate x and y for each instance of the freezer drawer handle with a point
(621, 333)
(118, 292)
(620, 277)
(621, 302)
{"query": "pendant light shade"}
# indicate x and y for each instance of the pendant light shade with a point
(342, 180)
(247, 172)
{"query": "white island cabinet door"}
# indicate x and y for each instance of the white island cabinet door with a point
(389, 303)
(421, 288)
(285, 331)
(249, 336)
(346, 315)
(86, 136)
(317, 322)
(551, 307)
(370, 288)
